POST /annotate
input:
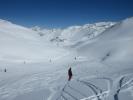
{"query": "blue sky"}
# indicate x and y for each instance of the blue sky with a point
(63, 13)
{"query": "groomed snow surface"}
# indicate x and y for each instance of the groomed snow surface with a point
(34, 62)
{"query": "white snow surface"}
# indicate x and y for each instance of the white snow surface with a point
(37, 60)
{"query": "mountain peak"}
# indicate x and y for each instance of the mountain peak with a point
(5, 21)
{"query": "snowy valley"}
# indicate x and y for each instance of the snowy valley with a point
(37, 60)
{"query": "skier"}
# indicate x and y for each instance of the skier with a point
(69, 74)
(5, 70)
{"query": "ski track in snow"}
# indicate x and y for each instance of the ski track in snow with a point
(27, 83)
(99, 94)
(10, 88)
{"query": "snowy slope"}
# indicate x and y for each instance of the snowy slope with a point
(100, 55)
(107, 70)
(18, 43)
(73, 34)
(118, 45)
(103, 67)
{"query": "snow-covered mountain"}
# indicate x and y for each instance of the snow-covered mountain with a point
(99, 54)
(19, 43)
(118, 45)
(74, 34)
